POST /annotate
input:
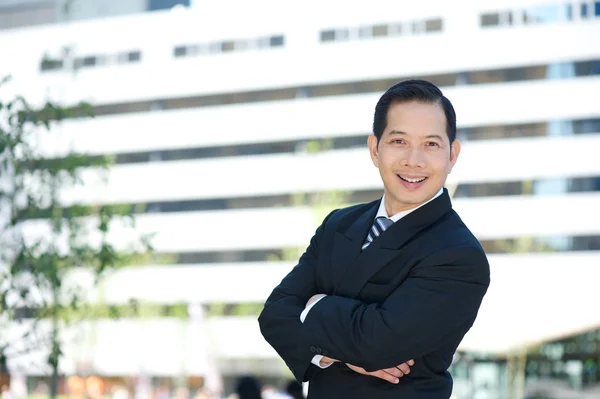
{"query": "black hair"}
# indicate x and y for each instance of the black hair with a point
(248, 387)
(413, 90)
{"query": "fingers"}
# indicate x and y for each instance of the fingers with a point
(396, 372)
(411, 362)
(404, 368)
(385, 376)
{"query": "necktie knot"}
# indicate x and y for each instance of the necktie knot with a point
(380, 224)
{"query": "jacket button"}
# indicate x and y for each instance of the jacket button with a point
(319, 350)
(313, 349)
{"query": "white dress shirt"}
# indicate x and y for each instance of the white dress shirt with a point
(316, 360)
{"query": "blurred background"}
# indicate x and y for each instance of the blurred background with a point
(229, 128)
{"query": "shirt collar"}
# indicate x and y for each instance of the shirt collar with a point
(382, 212)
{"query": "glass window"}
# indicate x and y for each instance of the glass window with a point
(584, 10)
(418, 27)
(587, 68)
(380, 30)
(365, 32)
(585, 126)
(180, 51)
(395, 29)
(342, 34)
(227, 46)
(49, 64)
(214, 47)
(87, 61)
(433, 25)
(166, 4)
(240, 45)
(327, 35)
(134, 56)
(490, 19)
(276, 41)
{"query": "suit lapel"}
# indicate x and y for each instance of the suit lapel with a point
(355, 268)
(347, 244)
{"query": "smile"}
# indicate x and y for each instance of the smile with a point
(412, 179)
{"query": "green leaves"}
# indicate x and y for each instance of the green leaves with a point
(44, 243)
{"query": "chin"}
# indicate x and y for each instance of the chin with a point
(413, 197)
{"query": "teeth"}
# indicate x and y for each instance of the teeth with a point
(417, 180)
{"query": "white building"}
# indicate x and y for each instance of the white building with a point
(212, 109)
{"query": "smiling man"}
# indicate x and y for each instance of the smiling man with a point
(385, 292)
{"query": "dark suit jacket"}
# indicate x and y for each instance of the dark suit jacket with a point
(412, 294)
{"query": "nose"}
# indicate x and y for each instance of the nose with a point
(415, 158)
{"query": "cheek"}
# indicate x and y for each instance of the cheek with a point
(439, 164)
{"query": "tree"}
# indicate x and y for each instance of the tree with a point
(43, 240)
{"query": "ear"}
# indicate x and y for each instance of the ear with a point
(454, 153)
(373, 150)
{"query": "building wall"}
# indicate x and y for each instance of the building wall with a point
(210, 118)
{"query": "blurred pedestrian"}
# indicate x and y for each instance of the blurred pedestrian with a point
(248, 387)
(294, 389)
(6, 392)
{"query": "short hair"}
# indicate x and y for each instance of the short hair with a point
(413, 90)
(248, 387)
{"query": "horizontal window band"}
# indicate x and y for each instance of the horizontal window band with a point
(514, 188)
(539, 129)
(503, 246)
(566, 70)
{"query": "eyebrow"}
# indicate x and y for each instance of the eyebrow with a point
(429, 136)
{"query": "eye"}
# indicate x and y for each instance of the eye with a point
(432, 144)
(398, 141)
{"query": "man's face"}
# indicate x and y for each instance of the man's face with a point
(414, 155)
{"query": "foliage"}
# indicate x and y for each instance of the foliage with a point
(45, 244)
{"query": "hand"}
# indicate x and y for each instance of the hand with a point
(326, 361)
(393, 374)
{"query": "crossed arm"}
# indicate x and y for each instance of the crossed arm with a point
(435, 305)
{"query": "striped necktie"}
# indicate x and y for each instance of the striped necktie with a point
(380, 224)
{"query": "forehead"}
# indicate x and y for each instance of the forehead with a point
(416, 118)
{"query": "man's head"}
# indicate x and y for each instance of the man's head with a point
(413, 143)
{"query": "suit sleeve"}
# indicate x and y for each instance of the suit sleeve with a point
(280, 322)
(435, 305)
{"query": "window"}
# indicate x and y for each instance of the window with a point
(584, 10)
(180, 51)
(490, 19)
(166, 4)
(134, 56)
(586, 126)
(380, 30)
(84, 62)
(49, 64)
(276, 41)
(130, 56)
(227, 46)
(342, 34)
(533, 72)
(433, 25)
(214, 47)
(327, 35)
(365, 32)
(587, 68)
(548, 13)
(395, 29)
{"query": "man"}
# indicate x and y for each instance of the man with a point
(385, 292)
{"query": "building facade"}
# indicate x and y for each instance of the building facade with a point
(256, 114)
